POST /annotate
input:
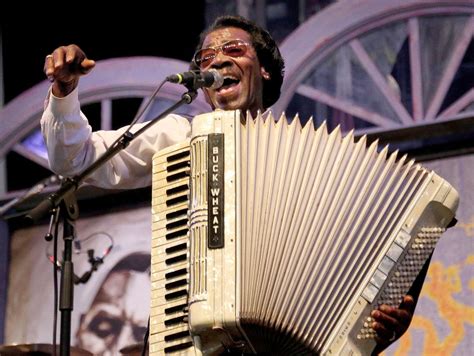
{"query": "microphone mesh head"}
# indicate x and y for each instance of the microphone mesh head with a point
(218, 79)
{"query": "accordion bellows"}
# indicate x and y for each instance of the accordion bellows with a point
(273, 237)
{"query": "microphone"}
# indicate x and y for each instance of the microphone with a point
(197, 79)
(36, 189)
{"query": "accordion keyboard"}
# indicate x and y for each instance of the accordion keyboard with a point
(169, 330)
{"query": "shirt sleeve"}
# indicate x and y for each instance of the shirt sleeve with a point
(73, 147)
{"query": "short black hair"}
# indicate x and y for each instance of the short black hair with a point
(267, 50)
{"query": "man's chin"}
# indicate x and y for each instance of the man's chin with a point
(229, 105)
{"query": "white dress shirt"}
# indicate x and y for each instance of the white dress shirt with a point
(73, 147)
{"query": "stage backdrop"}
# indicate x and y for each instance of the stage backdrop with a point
(110, 310)
(444, 317)
(443, 322)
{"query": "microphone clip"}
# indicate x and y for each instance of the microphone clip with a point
(94, 262)
(195, 83)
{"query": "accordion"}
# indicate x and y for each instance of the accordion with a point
(274, 237)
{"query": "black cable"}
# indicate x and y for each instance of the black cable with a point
(145, 338)
(140, 113)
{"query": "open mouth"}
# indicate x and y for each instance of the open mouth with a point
(230, 82)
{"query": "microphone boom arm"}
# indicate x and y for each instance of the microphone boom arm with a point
(64, 199)
(70, 185)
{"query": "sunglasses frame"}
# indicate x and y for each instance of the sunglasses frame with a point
(220, 48)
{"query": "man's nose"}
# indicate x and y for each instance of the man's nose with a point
(220, 60)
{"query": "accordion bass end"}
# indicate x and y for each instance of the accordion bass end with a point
(279, 238)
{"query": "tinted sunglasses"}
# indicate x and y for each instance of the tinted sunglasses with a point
(234, 48)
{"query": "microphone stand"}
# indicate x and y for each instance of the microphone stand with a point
(65, 200)
(69, 212)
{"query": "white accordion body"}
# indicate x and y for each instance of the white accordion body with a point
(269, 237)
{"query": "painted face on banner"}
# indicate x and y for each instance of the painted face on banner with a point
(117, 318)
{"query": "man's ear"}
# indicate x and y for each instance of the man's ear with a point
(264, 73)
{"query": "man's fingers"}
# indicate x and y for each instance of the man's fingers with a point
(53, 63)
(58, 58)
(382, 332)
(73, 54)
(49, 67)
(385, 319)
(408, 304)
(67, 63)
(387, 323)
(401, 315)
(87, 65)
(390, 323)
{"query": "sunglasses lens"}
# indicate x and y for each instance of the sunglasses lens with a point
(205, 56)
(234, 49)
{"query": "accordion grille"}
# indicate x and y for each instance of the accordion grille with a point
(329, 227)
